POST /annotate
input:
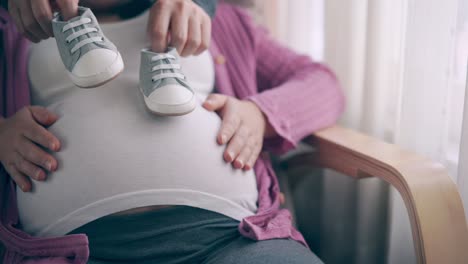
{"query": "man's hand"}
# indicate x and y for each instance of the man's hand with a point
(21, 138)
(182, 24)
(243, 128)
(33, 17)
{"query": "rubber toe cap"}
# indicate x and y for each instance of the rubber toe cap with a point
(94, 62)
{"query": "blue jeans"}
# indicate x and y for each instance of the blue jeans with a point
(183, 234)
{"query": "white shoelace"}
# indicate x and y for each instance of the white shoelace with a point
(161, 67)
(81, 32)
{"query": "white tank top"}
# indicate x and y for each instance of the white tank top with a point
(117, 156)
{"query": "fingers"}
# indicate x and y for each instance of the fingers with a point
(231, 121)
(68, 8)
(229, 126)
(21, 180)
(33, 17)
(36, 155)
(22, 157)
(179, 27)
(236, 144)
(27, 168)
(43, 15)
(244, 154)
(182, 23)
(243, 149)
(31, 26)
(42, 115)
(158, 25)
(257, 148)
(15, 13)
(215, 102)
(38, 133)
(43, 137)
(193, 38)
(205, 29)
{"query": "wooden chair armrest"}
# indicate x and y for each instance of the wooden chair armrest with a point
(439, 227)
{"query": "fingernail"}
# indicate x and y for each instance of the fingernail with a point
(241, 163)
(209, 101)
(223, 139)
(48, 165)
(230, 156)
(52, 146)
(38, 175)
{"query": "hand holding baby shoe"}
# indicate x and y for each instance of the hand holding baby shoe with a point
(33, 17)
(182, 24)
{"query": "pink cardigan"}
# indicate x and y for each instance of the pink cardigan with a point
(297, 95)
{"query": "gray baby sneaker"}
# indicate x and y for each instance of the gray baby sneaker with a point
(164, 88)
(90, 58)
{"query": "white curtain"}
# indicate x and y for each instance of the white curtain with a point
(463, 171)
(461, 68)
(460, 71)
(364, 46)
(402, 64)
(348, 218)
(397, 63)
(296, 23)
(432, 95)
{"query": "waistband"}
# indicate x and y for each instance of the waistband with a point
(181, 231)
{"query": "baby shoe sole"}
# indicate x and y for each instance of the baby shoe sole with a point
(171, 110)
(101, 78)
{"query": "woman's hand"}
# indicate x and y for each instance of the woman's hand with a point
(33, 17)
(182, 23)
(243, 128)
(21, 137)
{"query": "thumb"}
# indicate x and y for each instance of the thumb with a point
(42, 115)
(68, 8)
(215, 102)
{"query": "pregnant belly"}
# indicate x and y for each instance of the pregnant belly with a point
(111, 148)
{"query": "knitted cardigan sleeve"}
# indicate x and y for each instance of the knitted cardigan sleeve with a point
(297, 95)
